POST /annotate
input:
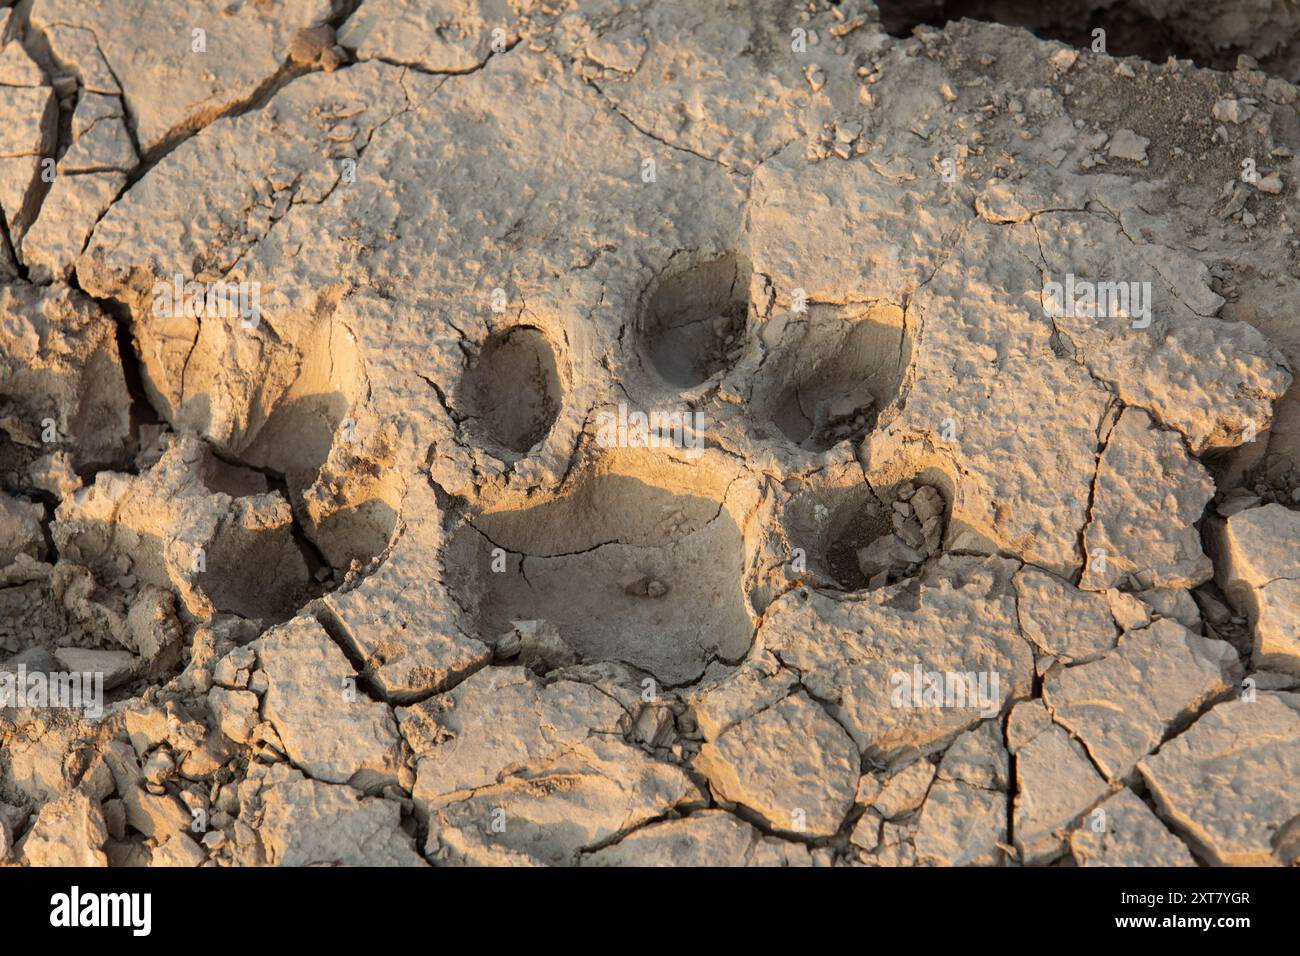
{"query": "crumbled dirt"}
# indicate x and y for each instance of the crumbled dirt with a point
(595, 433)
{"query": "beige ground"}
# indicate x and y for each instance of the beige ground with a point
(646, 438)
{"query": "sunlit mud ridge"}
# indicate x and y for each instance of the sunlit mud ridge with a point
(606, 433)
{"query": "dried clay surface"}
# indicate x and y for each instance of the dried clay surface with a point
(594, 433)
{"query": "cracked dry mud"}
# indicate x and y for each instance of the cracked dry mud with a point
(389, 575)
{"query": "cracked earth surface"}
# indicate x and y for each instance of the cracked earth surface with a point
(386, 577)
